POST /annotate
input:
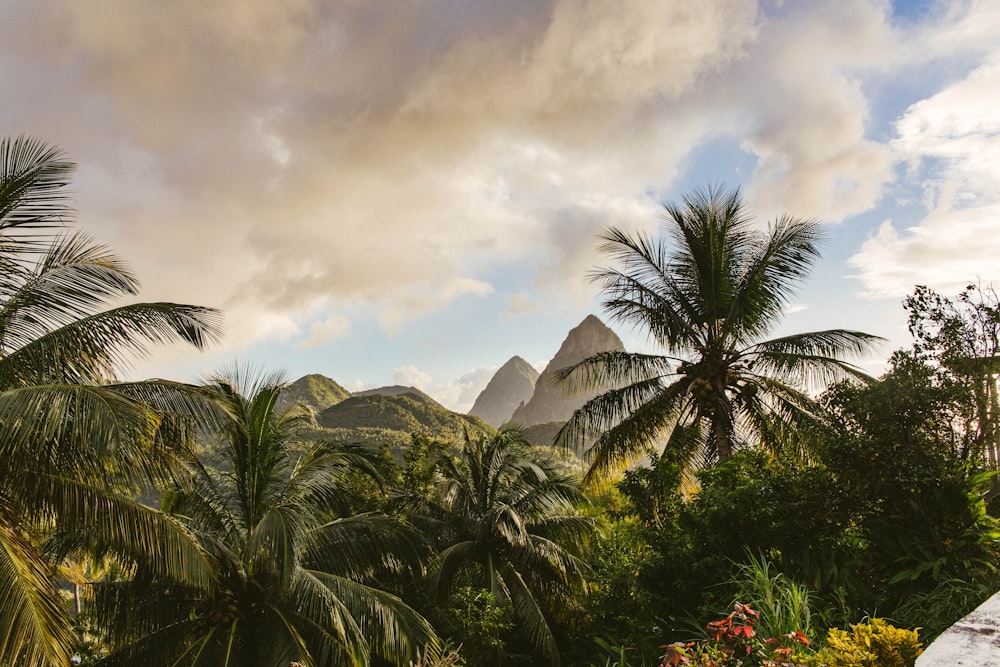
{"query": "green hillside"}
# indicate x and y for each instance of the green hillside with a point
(317, 391)
(391, 419)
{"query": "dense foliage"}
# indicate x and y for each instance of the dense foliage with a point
(71, 436)
(505, 520)
(293, 577)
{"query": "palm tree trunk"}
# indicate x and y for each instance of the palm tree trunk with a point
(723, 428)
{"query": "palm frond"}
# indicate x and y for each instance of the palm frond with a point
(73, 279)
(611, 369)
(363, 546)
(89, 350)
(633, 429)
(606, 411)
(813, 358)
(35, 629)
(393, 630)
(32, 177)
(529, 615)
(109, 522)
(54, 427)
(776, 267)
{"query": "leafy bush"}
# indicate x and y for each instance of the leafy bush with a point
(875, 643)
(918, 507)
(478, 621)
(754, 503)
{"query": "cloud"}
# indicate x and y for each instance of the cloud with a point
(460, 394)
(335, 326)
(291, 154)
(798, 105)
(521, 303)
(279, 159)
(411, 376)
(950, 141)
(357, 385)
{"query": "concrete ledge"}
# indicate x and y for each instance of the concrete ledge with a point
(972, 642)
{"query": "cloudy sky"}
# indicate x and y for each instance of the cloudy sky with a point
(408, 191)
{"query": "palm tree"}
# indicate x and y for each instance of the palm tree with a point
(70, 435)
(512, 519)
(288, 582)
(707, 293)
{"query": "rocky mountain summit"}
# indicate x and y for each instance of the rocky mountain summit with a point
(510, 387)
(549, 403)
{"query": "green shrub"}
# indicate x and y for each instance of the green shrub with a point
(875, 643)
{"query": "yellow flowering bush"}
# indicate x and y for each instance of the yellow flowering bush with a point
(872, 644)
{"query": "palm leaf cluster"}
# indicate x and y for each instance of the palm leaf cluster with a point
(71, 437)
(707, 293)
(507, 518)
(289, 569)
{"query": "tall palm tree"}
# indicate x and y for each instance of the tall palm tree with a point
(512, 519)
(707, 293)
(289, 582)
(69, 433)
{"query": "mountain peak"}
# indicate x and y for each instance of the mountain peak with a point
(548, 403)
(396, 390)
(509, 387)
(316, 391)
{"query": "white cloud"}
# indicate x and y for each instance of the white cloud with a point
(267, 157)
(357, 385)
(411, 376)
(798, 104)
(459, 394)
(953, 138)
(521, 303)
(333, 327)
(271, 158)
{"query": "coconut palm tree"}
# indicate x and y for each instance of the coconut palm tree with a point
(70, 434)
(508, 518)
(707, 293)
(292, 581)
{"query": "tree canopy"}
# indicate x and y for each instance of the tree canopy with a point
(707, 292)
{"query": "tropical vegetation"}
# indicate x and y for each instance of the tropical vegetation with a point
(292, 577)
(507, 522)
(753, 500)
(708, 292)
(74, 438)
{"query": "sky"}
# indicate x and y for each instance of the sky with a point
(403, 192)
